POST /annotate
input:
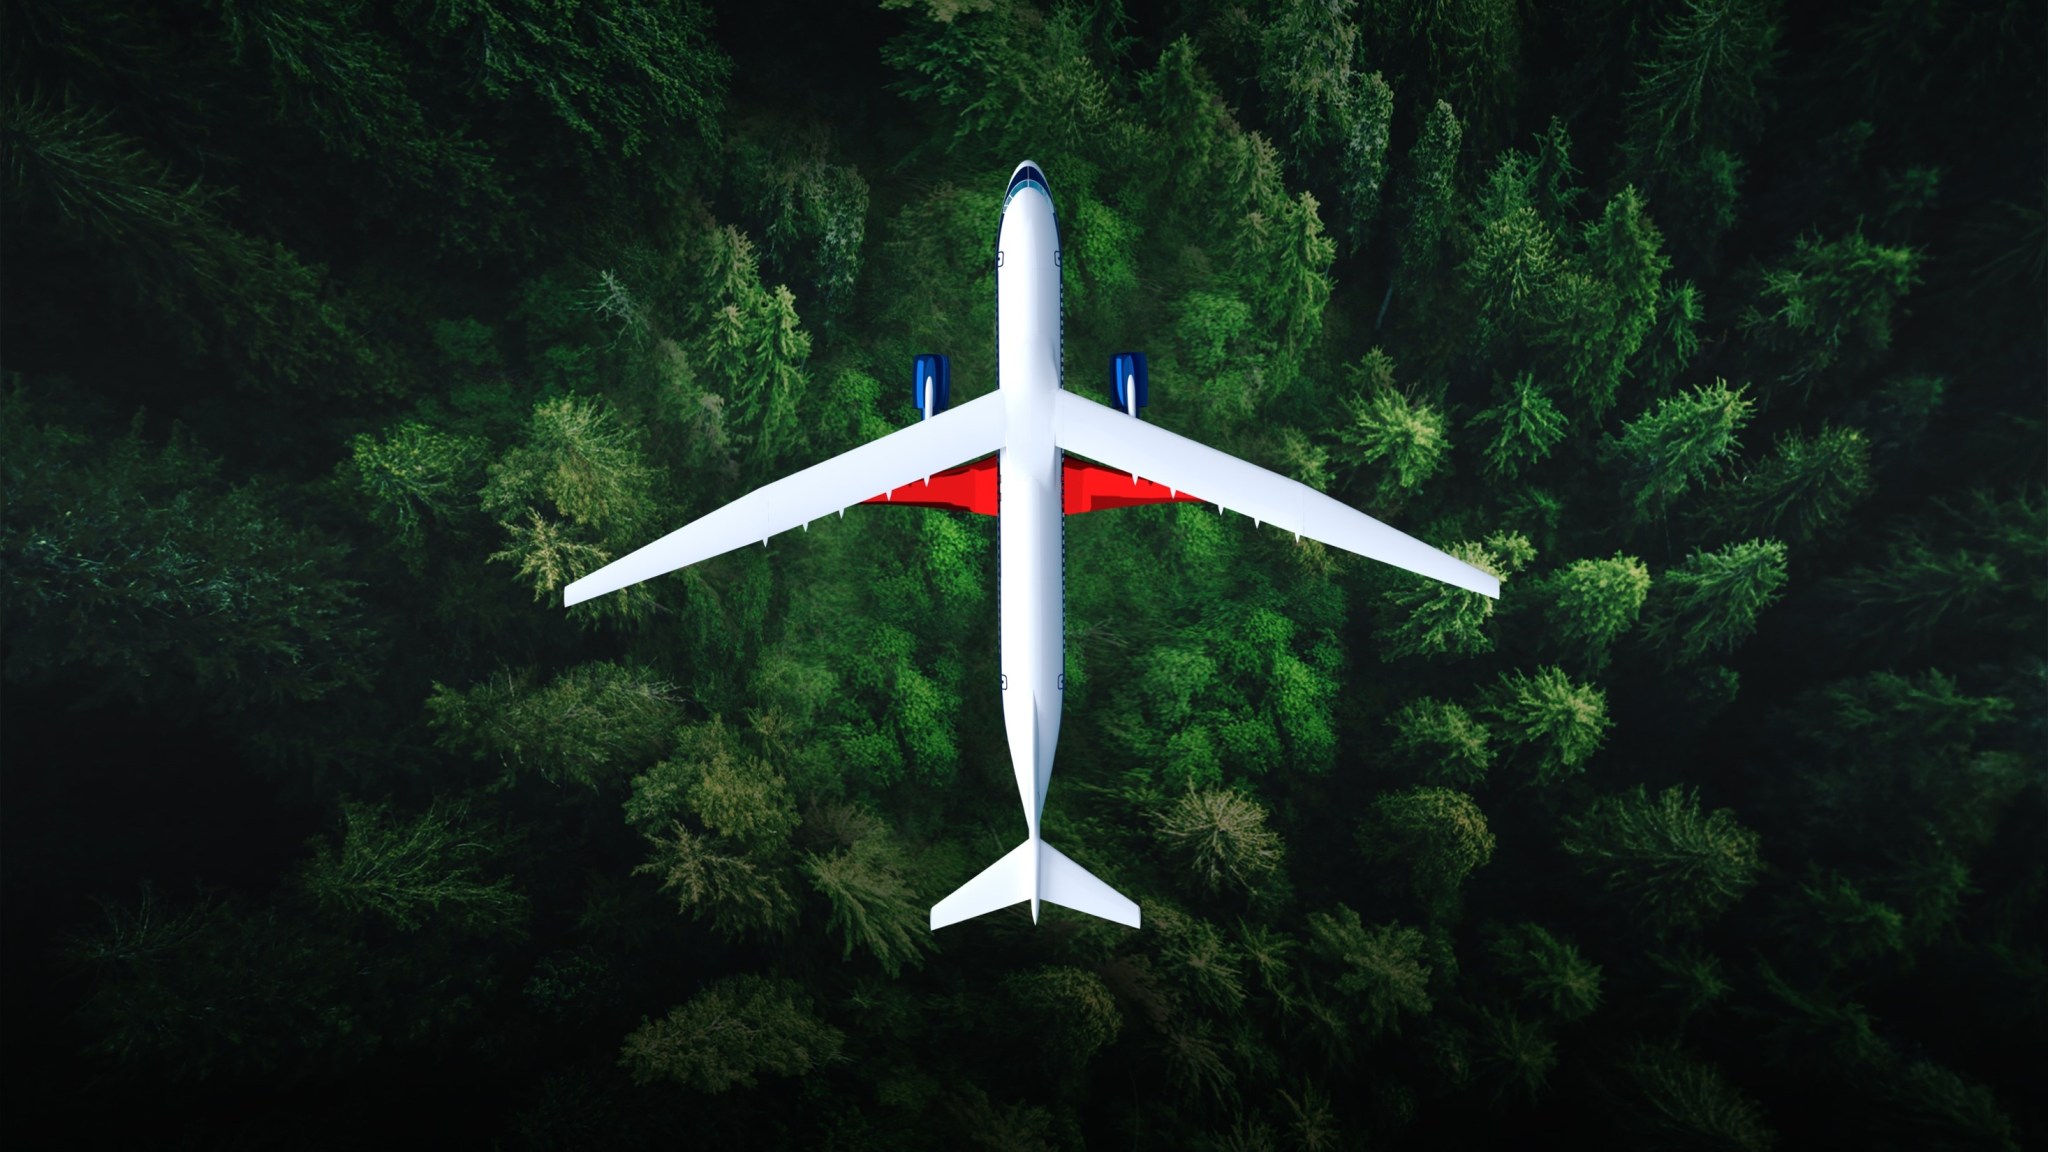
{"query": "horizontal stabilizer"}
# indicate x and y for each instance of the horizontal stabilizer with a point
(1001, 884)
(1069, 885)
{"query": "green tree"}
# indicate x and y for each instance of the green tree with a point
(409, 872)
(590, 726)
(1676, 866)
(1679, 443)
(1221, 835)
(1450, 746)
(1705, 81)
(137, 565)
(1562, 722)
(574, 495)
(1305, 71)
(413, 475)
(1549, 970)
(1422, 617)
(1527, 427)
(1806, 488)
(1828, 309)
(1592, 603)
(1432, 838)
(1364, 161)
(1406, 438)
(872, 907)
(1670, 1101)
(1382, 971)
(1073, 1009)
(1517, 1056)
(1427, 197)
(1710, 603)
(731, 1033)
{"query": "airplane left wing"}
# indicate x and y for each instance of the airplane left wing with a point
(972, 430)
(1145, 450)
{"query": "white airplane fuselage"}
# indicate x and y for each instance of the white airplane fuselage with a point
(1031, 520)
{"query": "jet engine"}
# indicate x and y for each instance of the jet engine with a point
(1127, 381)
(931, 379)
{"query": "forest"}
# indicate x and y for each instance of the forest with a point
(336, 337)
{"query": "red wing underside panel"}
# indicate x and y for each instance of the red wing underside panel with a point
(968, 488)
(1089, 487)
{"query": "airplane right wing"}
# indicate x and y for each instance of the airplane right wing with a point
(1145, 450)
(931, 446)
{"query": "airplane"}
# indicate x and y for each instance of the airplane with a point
(1013, 453)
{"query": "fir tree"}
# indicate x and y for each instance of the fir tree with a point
(1676, 866)
(1710, 603)
(1679, 443)
(1431, 838)
(734, 1031)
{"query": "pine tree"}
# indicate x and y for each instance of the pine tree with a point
(410, 872)
(1676, 866)
(1426, 617)
(1805, 489)
(1564, 723)
(1527, 426)
(872, 907)
(1221, 835)
(1672, 1101)
(1451, 748)
(1407, 439)
(1306, 72)
(1431, 838)
(734, 1031)
(414, 475)
(1382, 971)
(1710, 603)
(1828, 310)
(1427, 197)
(592, 725)
(1550, 971)
(1073, 1009)
(1592, 603)
(1678, 444)
(1364, 160)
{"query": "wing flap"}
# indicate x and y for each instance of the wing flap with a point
(1089, 429)
(923, 449)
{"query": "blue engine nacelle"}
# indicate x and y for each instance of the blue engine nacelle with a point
(931, 381)
(1127, 381)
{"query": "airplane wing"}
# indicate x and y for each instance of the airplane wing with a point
(1145, 450)
(972, 430)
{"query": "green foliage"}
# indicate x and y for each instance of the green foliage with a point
(1550, 971)
(1451, 748)
(1364, 160)
(409, 872)
(1592, 603)
(1409, 440)
(1221, 836)
(731, 1033)
(1806, 488)
(1527, 426)
(1305, 70)
(1672, 1102)
(1432, 838)
(740, 893)
(1564, 723)
(574, 495)
(1705, 81)
(1677, 867)
(1072, 1008)
(711, 776)
(1516, 1056)
(1678, 444)
(1427, 618)
(872, 907)
(1965, 569)
(414, 475)
(1828, 310)
(136, 565)
(1710, 603)
(1842, 924)
(1382, 972)
(590, 726)
(1427, 195)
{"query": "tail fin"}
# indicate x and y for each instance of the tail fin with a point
(1069, 885)
(1009, 881)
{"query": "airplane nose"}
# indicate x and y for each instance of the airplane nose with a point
(1027, 175)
